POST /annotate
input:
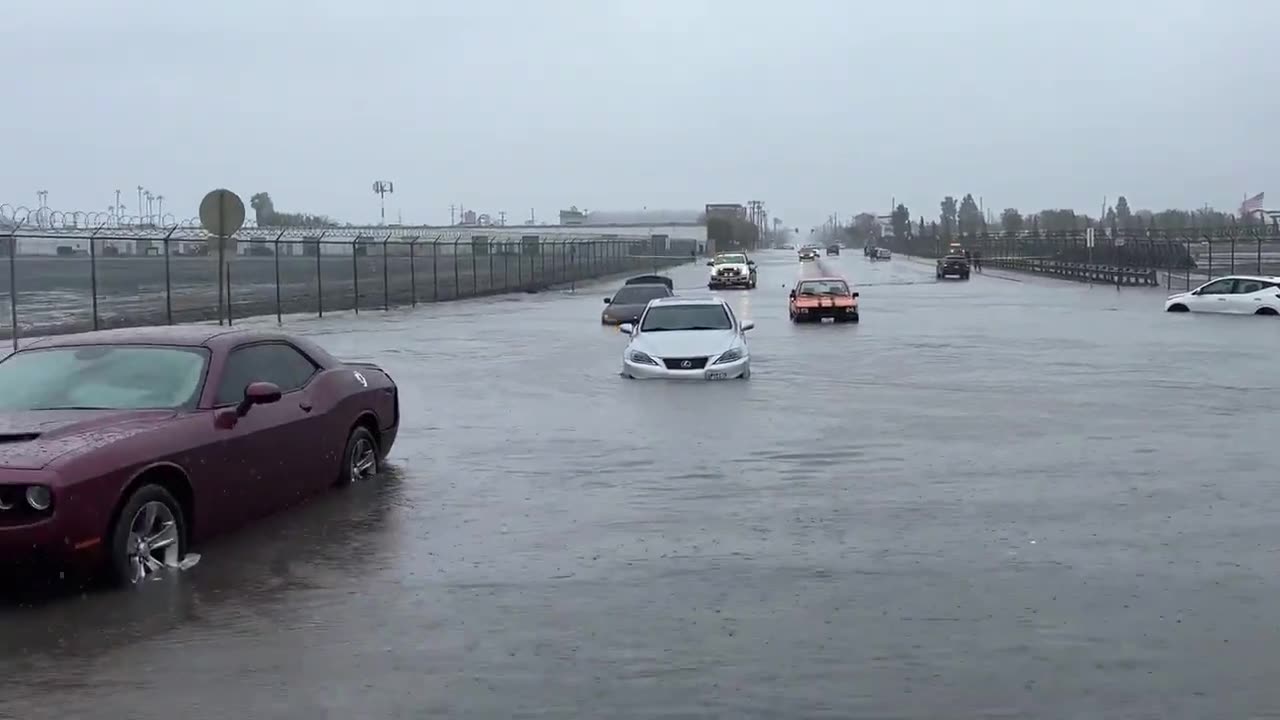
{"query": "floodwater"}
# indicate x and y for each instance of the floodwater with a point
(1011, 497)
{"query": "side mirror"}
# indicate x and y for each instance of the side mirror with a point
(608, 300)
(793, 294)
(752, 263)
(748, 325)
(258, 393)
(711, 263)
(626, 328)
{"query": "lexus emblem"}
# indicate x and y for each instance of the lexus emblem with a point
(686, 364)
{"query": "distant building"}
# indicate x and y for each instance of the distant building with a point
(730, 210)
(468, 217)
(643, 217)
(572, 216)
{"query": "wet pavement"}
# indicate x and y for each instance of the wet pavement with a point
(1008, 497)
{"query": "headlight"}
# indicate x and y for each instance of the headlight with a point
(39, 497)
(640, 358)
(729, 356)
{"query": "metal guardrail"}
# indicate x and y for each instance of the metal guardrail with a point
(67, 280)
(1082, 272)
(1183, 257)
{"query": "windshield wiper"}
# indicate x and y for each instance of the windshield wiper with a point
(73, 407)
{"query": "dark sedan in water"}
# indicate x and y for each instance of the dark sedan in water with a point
(629, 302)
(120, 449)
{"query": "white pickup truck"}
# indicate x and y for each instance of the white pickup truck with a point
(731, 270)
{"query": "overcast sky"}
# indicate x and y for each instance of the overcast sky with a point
(813, 106)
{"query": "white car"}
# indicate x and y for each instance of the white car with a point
(883, 253)
(687, 338)
(1235, 294)
(731, 270)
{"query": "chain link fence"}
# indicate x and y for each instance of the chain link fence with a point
(55, 281)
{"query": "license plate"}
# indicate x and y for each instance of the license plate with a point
(717, 376)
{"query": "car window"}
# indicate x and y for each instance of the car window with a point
(823, 287)
(1245, 287)
(731, 260)
(110, 377)
(1218, 287)
(711, 316)
(637, 294)
(268, 362)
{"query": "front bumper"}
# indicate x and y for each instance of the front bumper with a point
(723, 371)
(729, 280)
(818, 313)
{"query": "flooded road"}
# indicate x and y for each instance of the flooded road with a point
(1008, 497)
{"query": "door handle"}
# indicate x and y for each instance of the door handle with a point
(305, 405)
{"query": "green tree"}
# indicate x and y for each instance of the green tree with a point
(948, 216)
(970, 216)
(1011, 220)
(1124, 216)
(901, 221)
(267, 216)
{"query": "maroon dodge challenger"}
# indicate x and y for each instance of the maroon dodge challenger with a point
(120, 448)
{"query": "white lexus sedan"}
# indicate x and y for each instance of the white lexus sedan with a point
(1235, 294)
(687, 338)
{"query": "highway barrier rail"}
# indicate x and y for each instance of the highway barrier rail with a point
(1082, 272)
(70, 280)
(1177, 258)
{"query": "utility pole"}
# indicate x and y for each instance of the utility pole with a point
(382, 188)
(139, 205)
(452, 209)
(502, 217)
(532, 219)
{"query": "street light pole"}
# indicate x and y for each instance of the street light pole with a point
(382, 188)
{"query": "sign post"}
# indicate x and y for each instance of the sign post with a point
(222, 215)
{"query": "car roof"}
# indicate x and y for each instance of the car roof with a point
(1259, 278)
(179, 335)
(825, 278)
(688, 300)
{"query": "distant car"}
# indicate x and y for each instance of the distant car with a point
(687, 338)
(123, 448)
(731, 270)
(808, 254)
(882, 253)
(630, 299)
(813, 299)
(833, 250)
(950, 265)
(868, 250)
(1235, 294)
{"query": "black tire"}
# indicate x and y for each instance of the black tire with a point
(1265, 311)
(120, 570)
(853, 318)
(1179, 308)
(357, 442)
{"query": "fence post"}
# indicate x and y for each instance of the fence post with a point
(475, 290)
(413, 278)
(1258, 235)
(276, 253)
(168, 285)
(93, 277)
(319, 275)
(489, 251)
(457, 280)
(386, 297)
(227, 275)
(435, 277)
(13, 286)
(573, 263)
(355, 275)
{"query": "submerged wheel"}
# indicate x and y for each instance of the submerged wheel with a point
(1178, 308)
(150, 534)
(360, 461)
(1265, 311)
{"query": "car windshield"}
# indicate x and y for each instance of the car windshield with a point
(101, 377)
(823, 287)
(731, 259)
(639, 294)
(955, 257)
(710, 316)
